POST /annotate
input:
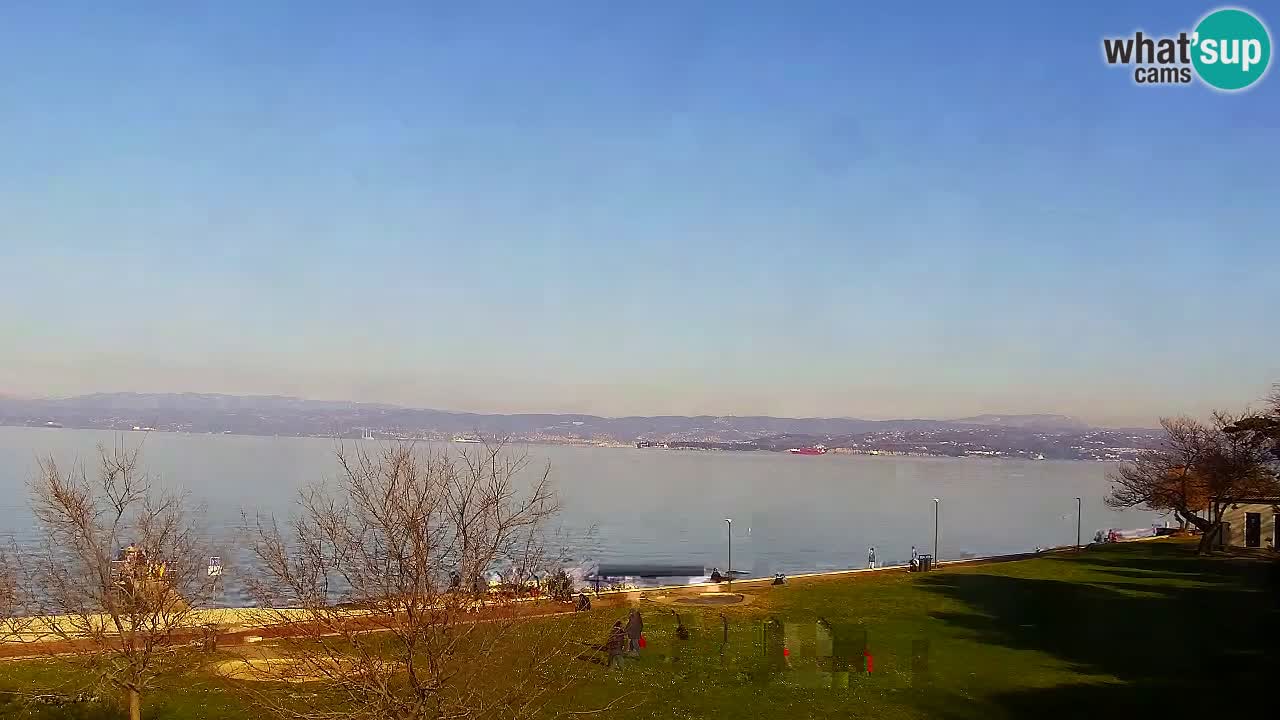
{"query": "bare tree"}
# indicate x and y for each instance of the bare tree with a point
(120, 575)
(1164, 481)
(1235, 466)
(16, 612)
(15, 606)
(1200, 471)
(381, 579)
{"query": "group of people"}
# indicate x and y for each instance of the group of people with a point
(625, 641)
(872, 563)
(136, 565)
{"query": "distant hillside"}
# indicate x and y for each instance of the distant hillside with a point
(199, 401)
(279, 415)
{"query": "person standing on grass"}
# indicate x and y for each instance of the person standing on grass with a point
(871, 557)
(635, 628)
(616, 643)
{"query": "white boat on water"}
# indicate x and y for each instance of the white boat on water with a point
(461, 439)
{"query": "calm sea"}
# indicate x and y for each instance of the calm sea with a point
(790, 513)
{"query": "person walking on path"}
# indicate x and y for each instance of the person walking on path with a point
(871, 557)
(915, 558)
(635, 628)
(615, 645)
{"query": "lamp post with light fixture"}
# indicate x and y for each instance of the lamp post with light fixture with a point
(729, 568)
(936, 559)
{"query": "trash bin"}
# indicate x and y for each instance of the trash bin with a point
(926, 563)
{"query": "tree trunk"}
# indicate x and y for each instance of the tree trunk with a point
(1208, 529)
(1201, 524)
(1206, 541)
(1214, 533)
(135, 704)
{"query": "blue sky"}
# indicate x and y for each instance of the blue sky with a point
(783, 208)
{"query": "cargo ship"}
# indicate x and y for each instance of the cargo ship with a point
(810, 450)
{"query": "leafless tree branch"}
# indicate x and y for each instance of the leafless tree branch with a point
(383, 579)
(1202, 468)
(120, 572)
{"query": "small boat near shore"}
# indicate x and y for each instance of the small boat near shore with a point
(809, 450)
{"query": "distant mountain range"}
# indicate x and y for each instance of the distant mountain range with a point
(281, 415)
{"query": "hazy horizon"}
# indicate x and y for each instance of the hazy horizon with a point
(1148, 424)
(723, 209)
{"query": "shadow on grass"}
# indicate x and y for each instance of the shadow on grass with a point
(1203, 636)
(1170, 558)
(1158, 575)
(1102, 701)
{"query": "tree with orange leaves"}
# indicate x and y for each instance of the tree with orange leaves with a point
(1200, 471)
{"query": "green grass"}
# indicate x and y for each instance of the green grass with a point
(1137, 628)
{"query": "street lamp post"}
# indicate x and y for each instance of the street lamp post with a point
(1079, 512)
(729, 568)
(936, 559)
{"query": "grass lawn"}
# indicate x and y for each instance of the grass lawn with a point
(1137, 628)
